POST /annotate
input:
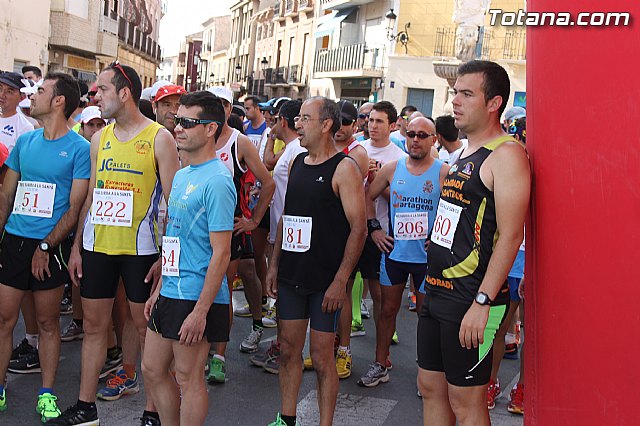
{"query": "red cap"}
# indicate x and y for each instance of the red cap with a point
(169, 90)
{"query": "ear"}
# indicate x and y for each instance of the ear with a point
(494, 103)
(327, 125)
(212, 128)
(393, 126)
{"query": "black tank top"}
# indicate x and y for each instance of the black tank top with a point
(457, 273)
(310, 195)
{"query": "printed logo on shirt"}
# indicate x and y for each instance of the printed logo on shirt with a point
(320, 179)
(143, 147)
(453, 169)
(400, 182)
(427, 187)
(189, 190)
(467, 169)
(224, 156)
(63, 154)
(109, 165)
(107, 146)
(8, 130)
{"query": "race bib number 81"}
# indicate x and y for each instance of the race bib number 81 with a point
(296, 233)
(171, 256)
(411, 226)
(446, 223)
(112, 207)
(34, 199)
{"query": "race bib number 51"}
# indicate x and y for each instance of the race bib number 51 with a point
(171, 256)
(444, 227)
(112, 207)
(296, 233)
(34, 199)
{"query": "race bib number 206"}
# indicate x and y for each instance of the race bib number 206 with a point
(296, 233)
(446, 223)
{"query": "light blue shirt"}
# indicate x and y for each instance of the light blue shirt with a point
(57, 161)
(202, 200)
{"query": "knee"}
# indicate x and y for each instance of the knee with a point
(149, 370)
(388, 311)
(188, 380)
(49, 325)
(7, 322)
(93, 326)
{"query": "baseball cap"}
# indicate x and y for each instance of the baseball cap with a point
(348, 111)
(222, 92)
(515, 112)
(267, 105)
(238, 109)
(146, 93)
(158, 84)
(4, 154)
(169, 90)
(89, 113)
(15, 80)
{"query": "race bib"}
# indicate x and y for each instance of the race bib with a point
(444, 227)
(34, 199)
(410, 226)
(171, 256)
(112, 207)
(296, 233)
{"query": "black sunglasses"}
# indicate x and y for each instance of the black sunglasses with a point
(420, 135)
(190, 123)
(363, 116)
(347, 122)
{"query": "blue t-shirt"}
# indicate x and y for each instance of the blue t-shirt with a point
(57, 161)
(517, 270)
(202, 200)
(398, 140)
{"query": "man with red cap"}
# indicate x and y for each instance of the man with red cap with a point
(166, 105)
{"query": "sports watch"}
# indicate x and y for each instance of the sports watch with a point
(482, 298)
(44, 246)
(373, 225)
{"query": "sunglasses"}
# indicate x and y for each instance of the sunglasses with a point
(363, 116)
(420, 135)
(117, 66)
(190, 123)
(347, 122)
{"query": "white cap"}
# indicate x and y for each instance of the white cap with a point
(32, 88)
(222, 92)
(89, 113)
(146, 93)
(158, 84)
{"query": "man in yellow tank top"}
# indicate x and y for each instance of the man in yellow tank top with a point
(133, 162)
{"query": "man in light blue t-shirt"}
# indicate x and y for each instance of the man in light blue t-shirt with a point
(42, 194)
(192, 301)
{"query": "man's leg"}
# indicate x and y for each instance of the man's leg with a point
(386, 324)
(221, 347)
(375, 292)
(259, 237)
(189, 363)
(10, 300)
(323, 362)
(47, 303)
(435, 398)
(469, 404)
(140, 323)
(161, 385)
(252, 288)
(29, 315)
(292, 334)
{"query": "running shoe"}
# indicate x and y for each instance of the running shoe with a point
(217, 371)
(357, 329)
(149, 421)
(259, 360)
(364, 311)
(376, 374)
(269, 320)
(66, 307)
(307, 363)
(280, 422)
(243, 312)
(113, 362)
(343, 364)
(26, 364)
(71, 332)
(47, 407)
(272, 365)
(394, 338)
(237, 284)
(3, 400)
(493, 393)
(516, 399)
(412, 301)
(118, 385)
(22, 349)
(250, 344)
(74, 416)
(511, 351)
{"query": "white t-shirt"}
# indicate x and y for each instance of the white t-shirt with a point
(453, 157)
(11, 128)
(383, 156)
(281, 178)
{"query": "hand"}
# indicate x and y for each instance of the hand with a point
(154, 274)
(242, 224)
(335, 296)
(75, 266)
(473, 325)
(383, 241)
(40, 264)
(148, 306)
(272, 282)
(521, 289)
(192, 328)
(374, 167)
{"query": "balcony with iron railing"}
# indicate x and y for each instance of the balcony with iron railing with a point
(510, 45)
(355, 60)
(290, 7)
(305, 5)
(342, 4)
(515, 45)
(445, 44)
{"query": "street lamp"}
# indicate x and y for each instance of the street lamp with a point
(402, 36)
(238, 72)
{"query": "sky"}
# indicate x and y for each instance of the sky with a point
(185, 17)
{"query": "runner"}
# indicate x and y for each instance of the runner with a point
(40, 203)
(414, 184)
(12, 123)
(477, 232)
(319, 238)
(190, 308)
(451, 145)
(133, 163)
(399, 137)
(166, 103)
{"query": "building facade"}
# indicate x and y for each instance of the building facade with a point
(241, 52)
(25, 35)
(213, 64)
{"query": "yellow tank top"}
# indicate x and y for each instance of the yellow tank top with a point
(128, 166)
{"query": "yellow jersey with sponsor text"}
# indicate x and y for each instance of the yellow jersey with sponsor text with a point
(127, 166)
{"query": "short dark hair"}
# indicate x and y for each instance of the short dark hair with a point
(235, 122)
(120, 81)
(254, 99)
(329, 111)
(146, 109)
(67, 86)
(408, 109)
(210, 107)
(446, 127)
(33, 69)
(495, 80)
(388, 108)
(289, 111)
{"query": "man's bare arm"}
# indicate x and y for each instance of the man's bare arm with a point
(69, 221)
(167, 160)
(7, 195)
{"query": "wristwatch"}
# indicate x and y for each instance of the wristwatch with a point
(373, 225)
(44, 246)
(482, 298)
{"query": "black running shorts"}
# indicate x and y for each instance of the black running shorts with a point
(295, 303)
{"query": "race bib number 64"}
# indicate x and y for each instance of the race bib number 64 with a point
(296, 233)
(446, 223)
(171, 256)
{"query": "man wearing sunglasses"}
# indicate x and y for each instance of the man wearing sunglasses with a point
(399, 136)
(363, 121)
(133, 163)
(414, 183)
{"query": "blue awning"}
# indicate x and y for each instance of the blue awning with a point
(326, 24)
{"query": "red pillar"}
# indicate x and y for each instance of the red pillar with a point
(583, 245)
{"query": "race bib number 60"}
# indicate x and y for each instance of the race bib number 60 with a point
(171, 256)
(296, 233)
(444, 227)
(112, 207)
(34, 199)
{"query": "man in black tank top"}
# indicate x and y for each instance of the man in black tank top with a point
(319, 239)
(476, 235)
